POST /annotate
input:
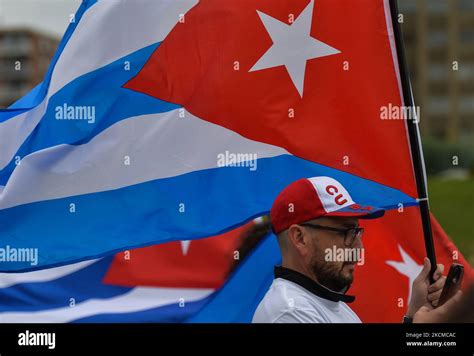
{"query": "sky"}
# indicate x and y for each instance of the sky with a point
(48, 16)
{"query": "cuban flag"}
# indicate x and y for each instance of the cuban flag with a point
(167, 120)
(185, 281)
(187, 121)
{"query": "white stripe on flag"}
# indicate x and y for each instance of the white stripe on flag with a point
(157, 146)
(110, 30)
(45, 275)
(138, 299)
(13, 132)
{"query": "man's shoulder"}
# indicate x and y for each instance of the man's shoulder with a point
(287, 302)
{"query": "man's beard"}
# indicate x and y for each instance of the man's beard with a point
(329, 274)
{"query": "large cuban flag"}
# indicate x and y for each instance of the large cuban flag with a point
(176, 120)
(180, 119)
(171, 120)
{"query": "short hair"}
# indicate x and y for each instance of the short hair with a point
(282, 239)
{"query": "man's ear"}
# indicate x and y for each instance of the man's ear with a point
(296, 238)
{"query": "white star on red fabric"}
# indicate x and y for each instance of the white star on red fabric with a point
(292, 46)
(408, 268)
(185, 246)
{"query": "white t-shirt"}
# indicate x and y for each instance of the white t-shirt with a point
(288, 302)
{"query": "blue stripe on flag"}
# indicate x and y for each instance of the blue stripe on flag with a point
(215, 201)
(30, 99)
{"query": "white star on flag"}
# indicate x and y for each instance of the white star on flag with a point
(185, 246)
(292, 46)
(408, 268)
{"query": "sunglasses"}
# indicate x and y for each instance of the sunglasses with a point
(349, 234)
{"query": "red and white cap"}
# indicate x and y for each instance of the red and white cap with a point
(311, 198)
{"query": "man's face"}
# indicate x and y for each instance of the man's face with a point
(330, 270)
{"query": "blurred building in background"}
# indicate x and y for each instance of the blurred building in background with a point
(24, 59)
(439, 40)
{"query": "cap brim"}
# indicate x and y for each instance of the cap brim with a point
(363, 213)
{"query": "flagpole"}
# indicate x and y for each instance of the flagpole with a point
(415, 140)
